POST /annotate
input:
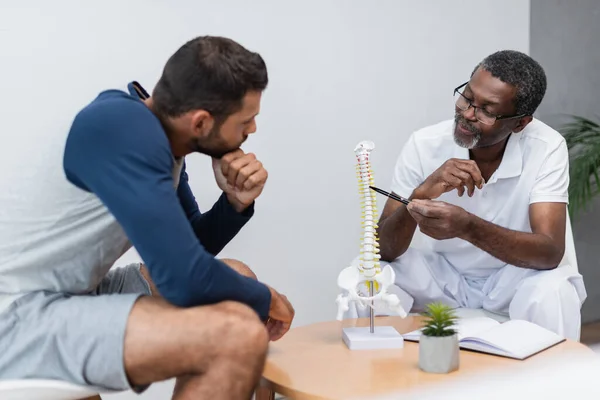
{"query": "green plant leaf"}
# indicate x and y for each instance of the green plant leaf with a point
(583, 141)
(438, 320)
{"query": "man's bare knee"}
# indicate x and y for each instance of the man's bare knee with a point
(240, 323)
(239, 267)
(233, 307)
(236, 332)
(231, 356)
(163, 341)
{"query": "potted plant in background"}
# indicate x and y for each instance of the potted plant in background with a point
(438, 343)
(583, 141)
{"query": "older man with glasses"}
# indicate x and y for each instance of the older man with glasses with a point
(489, 193)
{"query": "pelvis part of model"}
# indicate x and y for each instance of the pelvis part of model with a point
(368, 272)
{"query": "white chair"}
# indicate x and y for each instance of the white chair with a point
(569, 258)
(40, 389)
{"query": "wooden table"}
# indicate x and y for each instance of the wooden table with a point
(312, 362)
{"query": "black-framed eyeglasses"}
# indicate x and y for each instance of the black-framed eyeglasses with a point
(482, 115)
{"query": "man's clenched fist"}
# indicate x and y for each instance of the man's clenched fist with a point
(241, 176)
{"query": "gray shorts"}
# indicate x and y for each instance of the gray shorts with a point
(73, 338)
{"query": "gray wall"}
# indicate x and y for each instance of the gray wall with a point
(565, 39)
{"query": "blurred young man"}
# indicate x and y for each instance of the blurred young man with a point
(123, 182)
(489, 193)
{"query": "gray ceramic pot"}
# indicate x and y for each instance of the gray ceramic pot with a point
(438, 355)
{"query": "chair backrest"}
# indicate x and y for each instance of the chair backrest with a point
(27, 389)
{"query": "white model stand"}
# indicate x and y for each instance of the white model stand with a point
(368, 272)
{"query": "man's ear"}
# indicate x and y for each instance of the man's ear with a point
(522, 123)
(202, 123)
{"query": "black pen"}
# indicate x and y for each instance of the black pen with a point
(390, 195)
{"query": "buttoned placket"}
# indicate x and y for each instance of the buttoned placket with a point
(510, 166)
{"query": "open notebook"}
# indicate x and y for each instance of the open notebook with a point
(515, 338)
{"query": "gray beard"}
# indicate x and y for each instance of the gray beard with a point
(470, 144)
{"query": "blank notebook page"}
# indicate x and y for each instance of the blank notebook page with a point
(520, 338)
(467, 327)
(470, 327)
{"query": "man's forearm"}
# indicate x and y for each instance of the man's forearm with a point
(397, 230)
(216, 227)
(521, 249)
(395, 234)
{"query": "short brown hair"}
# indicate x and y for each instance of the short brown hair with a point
(209, 73)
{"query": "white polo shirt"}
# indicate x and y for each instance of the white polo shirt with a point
(534, 169)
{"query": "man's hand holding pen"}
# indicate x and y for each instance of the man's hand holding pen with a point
(438, 219)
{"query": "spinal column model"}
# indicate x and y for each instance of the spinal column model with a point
(368, 271)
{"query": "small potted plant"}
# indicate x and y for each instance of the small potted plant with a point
(438, 343)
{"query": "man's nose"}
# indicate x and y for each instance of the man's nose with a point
(251, 128)
(469, 114)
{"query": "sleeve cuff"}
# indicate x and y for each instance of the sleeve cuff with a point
(263, 302)
(401, 190)
(548, 198)
(244, 216)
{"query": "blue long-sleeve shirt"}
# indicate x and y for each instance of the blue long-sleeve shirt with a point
(118, 150)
